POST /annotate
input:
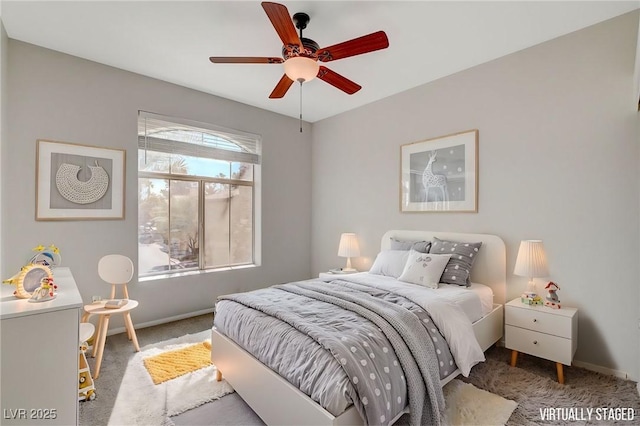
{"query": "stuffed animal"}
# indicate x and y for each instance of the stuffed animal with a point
(552, 297)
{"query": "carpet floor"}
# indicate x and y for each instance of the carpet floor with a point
(118, 352)
(532, 385)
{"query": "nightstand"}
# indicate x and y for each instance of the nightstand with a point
(543, 332)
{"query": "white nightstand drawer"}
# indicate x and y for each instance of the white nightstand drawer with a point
(541, 321)
(542, 345)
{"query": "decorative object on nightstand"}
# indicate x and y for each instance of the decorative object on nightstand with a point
(531, 263)
(543, 332)
(552, 297)
(348, 248)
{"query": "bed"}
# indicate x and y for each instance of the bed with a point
(277, 401)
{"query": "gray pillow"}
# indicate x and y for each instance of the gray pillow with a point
(458, 269)
(420, 246)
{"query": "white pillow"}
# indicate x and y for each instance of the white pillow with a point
(390, 263)
(424, 269)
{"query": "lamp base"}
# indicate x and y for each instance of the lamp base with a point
(531, 289)
(348, 269)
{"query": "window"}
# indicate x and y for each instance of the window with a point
(198, 198)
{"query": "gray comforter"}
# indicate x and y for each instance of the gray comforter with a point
(382, 342)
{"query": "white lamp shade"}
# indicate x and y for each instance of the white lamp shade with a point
(532, 260)
(348, 245)
(301, 68)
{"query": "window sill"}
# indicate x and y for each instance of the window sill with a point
(190, 273)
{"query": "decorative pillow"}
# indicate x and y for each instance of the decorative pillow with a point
(421, 246)
(390, 263)
(463, 255)
(424, 268)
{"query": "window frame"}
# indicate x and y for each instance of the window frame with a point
(254, 184)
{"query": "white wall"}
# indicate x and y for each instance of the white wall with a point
(64, 98)
(558, 161)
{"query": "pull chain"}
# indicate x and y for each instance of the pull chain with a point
(300, 103)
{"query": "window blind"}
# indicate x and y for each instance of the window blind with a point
(185, 137)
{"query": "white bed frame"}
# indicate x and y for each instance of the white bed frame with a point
(277, 402)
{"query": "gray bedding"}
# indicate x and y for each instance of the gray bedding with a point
(344, 343)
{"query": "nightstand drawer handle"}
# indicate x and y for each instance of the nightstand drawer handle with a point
(535, 342)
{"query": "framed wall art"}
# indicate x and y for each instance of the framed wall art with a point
(79, 182)
(440, 174)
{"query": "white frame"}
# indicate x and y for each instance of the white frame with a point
(469, 139)
(44, 151)
(284, 404)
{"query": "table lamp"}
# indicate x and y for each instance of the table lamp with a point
(531, 263)
(348, 248)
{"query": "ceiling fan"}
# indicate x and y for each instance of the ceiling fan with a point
(300, 55)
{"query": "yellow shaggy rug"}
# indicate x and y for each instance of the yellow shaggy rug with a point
(172, 364)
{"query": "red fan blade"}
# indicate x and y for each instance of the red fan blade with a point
(357, 46)
(244, 60)
(281, 21)
(281, 88)
(336, 80)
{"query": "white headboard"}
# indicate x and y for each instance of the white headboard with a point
(489, 268)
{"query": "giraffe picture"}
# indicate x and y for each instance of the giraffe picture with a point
(440, 174)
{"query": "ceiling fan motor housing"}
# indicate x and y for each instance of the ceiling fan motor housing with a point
(309, 49)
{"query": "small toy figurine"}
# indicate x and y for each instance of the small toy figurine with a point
(552, 298)
(45, 291)
(529, 299)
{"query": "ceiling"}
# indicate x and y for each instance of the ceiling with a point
(173, 40)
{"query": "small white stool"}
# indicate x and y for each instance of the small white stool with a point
(86, 331)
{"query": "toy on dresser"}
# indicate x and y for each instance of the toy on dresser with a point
(552, 297)
(34, 281)
(45, 292)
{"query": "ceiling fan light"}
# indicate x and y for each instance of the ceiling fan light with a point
(300, 68)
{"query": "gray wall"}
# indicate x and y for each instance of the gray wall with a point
(4, 42)
(558, 161)
(64, 98)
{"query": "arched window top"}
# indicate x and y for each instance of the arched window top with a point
(196, 137)
(179, 136)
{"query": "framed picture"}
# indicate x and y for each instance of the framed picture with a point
(440, 174)
(76, 182)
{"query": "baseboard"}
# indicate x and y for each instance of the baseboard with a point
(602, 370)
(138, 326)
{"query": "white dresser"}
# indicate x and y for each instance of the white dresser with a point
(39, 356)
(543, 332)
